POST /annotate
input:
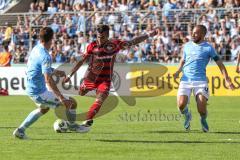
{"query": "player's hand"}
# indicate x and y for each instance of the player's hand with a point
(176, 74)
(230, 84)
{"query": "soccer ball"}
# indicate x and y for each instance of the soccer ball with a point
(60, 126)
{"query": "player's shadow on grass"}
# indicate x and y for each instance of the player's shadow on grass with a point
(166, 141)
(166, 132)
(58, 139)
(225, 132)
(192, 131)
(8, 127)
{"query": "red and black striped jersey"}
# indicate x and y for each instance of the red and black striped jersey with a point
(101, 59)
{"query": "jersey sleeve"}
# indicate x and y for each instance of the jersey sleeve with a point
(47, 65)
(122, 44)
(88, 51)
(213, 54)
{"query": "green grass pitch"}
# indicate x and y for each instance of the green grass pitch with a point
(116, 136)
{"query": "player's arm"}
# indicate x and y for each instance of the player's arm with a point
(238, 61)
(75, 68)
(225, 73)
(47, 72)
(180, 66)
(221, 66)
(141, 38)
(58, 73)
(78, 64)
(51, 84)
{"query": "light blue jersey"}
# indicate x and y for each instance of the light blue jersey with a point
(196, 57)
(39, 62)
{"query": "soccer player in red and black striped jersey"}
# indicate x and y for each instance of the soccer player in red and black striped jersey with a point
(102, 53)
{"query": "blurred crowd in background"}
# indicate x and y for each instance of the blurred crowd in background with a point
(74, 23)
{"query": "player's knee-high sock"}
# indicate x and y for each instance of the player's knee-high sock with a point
(94, 109)
(31, 118)
(203, 116)
(185, 110)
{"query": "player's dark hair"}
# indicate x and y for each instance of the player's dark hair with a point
(102, 28)
(203, 28)
(46, 34)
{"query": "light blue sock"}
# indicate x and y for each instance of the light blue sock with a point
(185, 111)
(204, 116)
(31, 118)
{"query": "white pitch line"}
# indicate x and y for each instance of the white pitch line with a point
(230, 139)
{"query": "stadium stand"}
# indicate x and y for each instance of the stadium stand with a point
(74, 23)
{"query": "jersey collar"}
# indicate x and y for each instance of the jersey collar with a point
(199, 43)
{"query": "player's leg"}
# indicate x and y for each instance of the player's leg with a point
(100, 98)
(102, 93)
(202, 110)
(44, 101)
(182, 102)
(202, 95)
(71, 115)
(31, 118)
(183, 99)
(85, 87)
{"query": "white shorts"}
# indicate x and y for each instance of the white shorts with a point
(46, 100)
(186, 88)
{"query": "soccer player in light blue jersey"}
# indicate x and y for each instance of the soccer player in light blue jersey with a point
(39, 76)
(196, 55)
